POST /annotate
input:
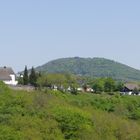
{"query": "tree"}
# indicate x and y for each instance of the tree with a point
(33, 77)
(25, 76)
(98, 85)
(109, 85)
(20, 80)
(42, 81)
(119, 86)
(56, 79)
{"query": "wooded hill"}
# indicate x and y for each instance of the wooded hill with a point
(92, 67)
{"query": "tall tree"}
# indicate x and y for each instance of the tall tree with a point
(33, 77)
(25, 76)
(109, 85)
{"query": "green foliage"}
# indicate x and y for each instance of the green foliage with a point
(20, 80)
(4, 88)
(74, 91)
(72, 121)
(119, 86)
(42, 81)
(98, 85)
(56, 79)
(106, 85)
(8, 133)
(92, 67)
(51, 115)
(62, 81)
(25, 76)
(33, 77)
(109, 85)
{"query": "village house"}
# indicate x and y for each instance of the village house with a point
(8, 76)
(130, 89)
(89, 89)
(54, 87)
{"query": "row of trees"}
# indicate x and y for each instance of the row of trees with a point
(29, 78)
(106, 85)
(64, 81)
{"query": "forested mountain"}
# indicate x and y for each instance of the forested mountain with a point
(93, 67)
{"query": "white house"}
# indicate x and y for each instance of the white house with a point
(8, 76)
(54, 87)
(80, 89)
(89, 89)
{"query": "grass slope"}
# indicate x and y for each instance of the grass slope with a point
(93, 67)
(55, 115)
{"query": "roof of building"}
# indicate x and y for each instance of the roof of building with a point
(5, 73)
(132, 86)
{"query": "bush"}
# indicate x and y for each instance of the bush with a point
(8, 133)
(72, 121)
(4, 88)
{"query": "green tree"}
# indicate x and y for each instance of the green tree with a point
(98, 85)
(56, 79)
(119, 86)
(109, 85)
(33, 77)
(42, 80)
(20, 80)
(25, 76)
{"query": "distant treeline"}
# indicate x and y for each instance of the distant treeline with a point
(65, 81)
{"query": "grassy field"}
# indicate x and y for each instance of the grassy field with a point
(53, 115)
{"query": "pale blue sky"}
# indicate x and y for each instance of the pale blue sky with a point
(33, 32)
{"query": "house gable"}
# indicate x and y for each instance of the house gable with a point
(8, 76)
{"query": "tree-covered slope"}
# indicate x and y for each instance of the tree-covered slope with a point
(93, 67)
(53, 115)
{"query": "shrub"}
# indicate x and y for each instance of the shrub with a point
(72, 121)
(4, 88)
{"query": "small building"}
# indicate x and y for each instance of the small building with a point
(129, 89)
(8, 76)
(89, 90)
(80, 89)
(54, 87)
(69, 89)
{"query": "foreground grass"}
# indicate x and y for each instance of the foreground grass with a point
(58, 116)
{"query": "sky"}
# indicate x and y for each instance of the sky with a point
(33, 32)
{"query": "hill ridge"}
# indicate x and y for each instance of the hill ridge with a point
(93, 67)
